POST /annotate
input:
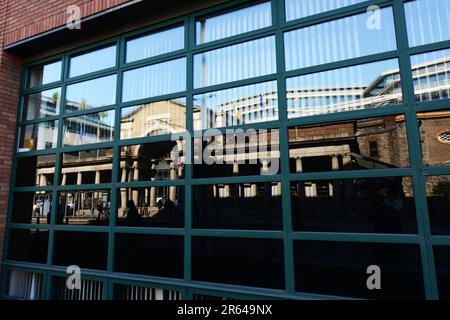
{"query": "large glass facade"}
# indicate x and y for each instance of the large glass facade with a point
(242, 151)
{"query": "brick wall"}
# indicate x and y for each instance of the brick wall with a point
(20, 19)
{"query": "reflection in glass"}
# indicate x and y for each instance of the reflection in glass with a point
(238, 206)
(93, 61)
(90, 290)
(87, 207)
(38, 136)
(296, 9)
(44, 74)
(435, 137)
(41, 104)
(145, 254)
(427, 21)
(28, 245)
(431, 75)
(438, 197)
(24, 285)
(341, 39)
(35, 171)
(152, 119)
(32, 207)
(237, 62)
(254, 152)
(87, 167)
(339, 268)
(249, 262)
(84, 249)
(233, 23)
(155, 80)
(161, 206)
(155, 44)
(124, 292)
(375, 205)
(372, 143)
(152, 161)
(354, 88)
(90, 128)
(237, 106)
(442, 263)
(91, 94)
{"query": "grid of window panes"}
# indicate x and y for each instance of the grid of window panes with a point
(338, 161)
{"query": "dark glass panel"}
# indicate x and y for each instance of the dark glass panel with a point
(84, 249)
(32, 207)
(36, 171)
(442, 263)
(371, 205)
(153, 255)
(249, 262)
(238, 206)
(28, 245)
(438, 197)
(340, 268)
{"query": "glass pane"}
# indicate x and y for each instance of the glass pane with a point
(91, 128)
(44, 74)
(237, 62)
(84, 249)
(123, 292)
(238, 206)
(152, 161)
(87, 208)
(442, 262)
(238, 153)
(93, 61)
(364, 86)
(91, 94)
(87, 167)
(154, 44)
(427, 21)
(371, 205)
(42, 104)
(32, 207)
(435, 137)
(296, 9)
(38, 136)
(238, 261)
(341, 39)
(161, 206)
(28, 245)
(339, 268)
(237, 106)
(431, 74)
(90, 290)
(24, 285)
(155, 80)
(233, 23)
(153, 119)
(35, 171)
(153, 255)
(438, 197)
(372, 143)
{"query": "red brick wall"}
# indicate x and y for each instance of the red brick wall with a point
(20, 19)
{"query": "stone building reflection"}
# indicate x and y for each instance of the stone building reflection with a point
(363, 144)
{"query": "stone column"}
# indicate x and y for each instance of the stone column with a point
(235, 168)
(64, 179)
(335, 163)
(135, 178)
(173, 189)
(298, 165)
(79, 178)
(97, 181)
(123, 191)
(152, 189)
(43, 181)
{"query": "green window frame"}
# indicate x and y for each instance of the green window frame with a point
(189, 288)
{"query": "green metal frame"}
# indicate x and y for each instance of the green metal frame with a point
(187, 286)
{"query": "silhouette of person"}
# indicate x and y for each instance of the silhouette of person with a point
(133, 216)
(100, 209)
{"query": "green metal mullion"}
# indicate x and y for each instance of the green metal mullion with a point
(92, 76)
(347, 116)
(144, 140)
(153, 60)
(441, 45)
(342, 64)
(84, 147)
(289, 273)
(235, 180)
(87, 112)
(158, 98)
(48, 86)
(80, 228)
(147, 184)
(436, 171)
(435, 105)
(188, 214)
(414, 144)
(88, 187)
(37, 120)
(27, 226)
(149, 230)
(244, 127)
(26, 154)
(356, 237)
(253, 234)
(441, 240)
(352, 174)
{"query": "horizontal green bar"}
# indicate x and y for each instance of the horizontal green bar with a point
(436, 171)
(441, 240)
(236, 180)
(147, 184)
(352, 174)
(356, 237)
(154, 231)
(237, 233)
